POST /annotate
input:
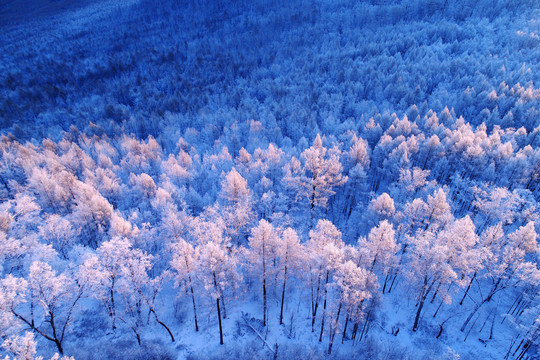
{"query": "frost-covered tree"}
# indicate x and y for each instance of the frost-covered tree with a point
(185, 262)
(9, 249)
(119, 277)
(508, 265)
(428, 266)
(326, 252)
(379, 209)
(496, 204)
(358, 165)
(179, 168)
(91, 215)
(269, 162)
(379, 249)
(139, 291)
(50, 193)
(237, 198)
(262, 256)
(104, 270)
(44, 303)
(58, 232)
(354, 286)
(218, 267)
(437, 211)
(291, 254)
(24, 348)
(314, 179)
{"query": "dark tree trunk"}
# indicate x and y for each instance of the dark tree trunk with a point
(57, 342)
(163, 324)
(137, 335)
(219, 319)
(385, 282)
(315, 303)
(440, 331)
(112, 309)
(418, 312)
(435, 294)
(264, 302)
(324, 306)
(493, 291)
(345, 328)
(354, 331)
(471, 316)
(283, 296)
(367, 321)
(194, 306)
(468, 288)
(218, 312)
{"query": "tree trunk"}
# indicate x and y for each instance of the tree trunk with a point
(440, 332)
(491, 328)
(219, 319)
(354, 331)
(162, 324)
(468, 288)
(223, 308)
(59, 346)
(493, 290)
(423, 296)
(312, 208)
(333, 333)
(57, 342)
(137, 335)
(419, 311)
(264, 283)
(438, 308)
(30, 323)
(324, 306)
(315, 303)
(385, 282)
(442, 301)
(112, 309)
(471, 316)
(435, 293)
(218, 312)
(194, 306)
(396, 272)
(264, 302)
(345, 328)
(365, 328)
(283, 296)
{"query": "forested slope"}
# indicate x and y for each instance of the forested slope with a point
(308, 179)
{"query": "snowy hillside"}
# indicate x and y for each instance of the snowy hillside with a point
(239, 179)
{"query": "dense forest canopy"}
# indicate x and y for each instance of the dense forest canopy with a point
(300, 179)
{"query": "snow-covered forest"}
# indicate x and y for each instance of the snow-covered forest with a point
(278, 180)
